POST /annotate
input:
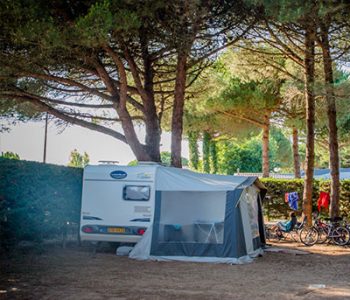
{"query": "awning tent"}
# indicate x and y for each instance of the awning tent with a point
(204, 217)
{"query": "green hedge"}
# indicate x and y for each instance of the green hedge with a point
(276, 208)
(344, 201)
(37, 200)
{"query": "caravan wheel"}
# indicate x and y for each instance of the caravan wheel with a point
(114, 245)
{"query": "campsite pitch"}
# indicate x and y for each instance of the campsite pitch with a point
(73, 274)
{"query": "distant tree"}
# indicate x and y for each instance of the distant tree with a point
(193, 149)
(282, 150)
(251, 102)
(236, 100)
(133, 163)
(291, 28)
(206, 152)
(78, 160)
(243, 156)
(10, 155)
(214, 168)
(246, 155)
(166, 160)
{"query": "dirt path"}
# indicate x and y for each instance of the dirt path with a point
(73, 274)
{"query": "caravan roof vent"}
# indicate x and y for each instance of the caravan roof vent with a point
(108, 162)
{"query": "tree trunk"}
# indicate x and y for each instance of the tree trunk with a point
(146, 93)
(120, 99)
(178, 108)
(265, 147)
(296, 155)
(45, 137)
(332, 122)
(309, 74)
(153, 130)
(131, 138)
(153, 134)
(139, 150)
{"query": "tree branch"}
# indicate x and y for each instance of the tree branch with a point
(69, 82)
(41, 106)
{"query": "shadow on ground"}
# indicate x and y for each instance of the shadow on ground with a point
(72, 273)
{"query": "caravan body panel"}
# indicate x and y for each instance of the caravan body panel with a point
(117, 202)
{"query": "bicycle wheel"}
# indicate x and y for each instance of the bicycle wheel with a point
(340, 236)
(295, 235)
(322, 235)
(273, 234)
(268, 233)
(308, 236)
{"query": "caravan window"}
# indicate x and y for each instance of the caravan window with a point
(136, 192)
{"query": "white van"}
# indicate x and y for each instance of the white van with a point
(117, 202)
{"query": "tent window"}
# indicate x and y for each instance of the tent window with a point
(136, 192)
(251, 198)
(192, 217)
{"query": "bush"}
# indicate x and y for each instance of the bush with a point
(276, 208)
(344, 201)
(37, 200)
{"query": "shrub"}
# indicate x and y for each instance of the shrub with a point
(276, 208)
(37, 200)
(344, 201)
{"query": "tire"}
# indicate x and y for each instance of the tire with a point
(308, 236)
(268, 234)
(322, 235)
(273, 234)
(340, 236)
(114, 245)
(294, 234)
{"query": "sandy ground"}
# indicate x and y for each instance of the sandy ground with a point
(73, 274)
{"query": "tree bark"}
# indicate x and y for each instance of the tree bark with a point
(296, 155)
(178, 108)
(123, 113)
(131, 138)
(153, 131)
(152, 147)
(332, 122)
(265, 146)
(309, 74)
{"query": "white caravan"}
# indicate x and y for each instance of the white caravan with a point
(117, 202)
(191, 216)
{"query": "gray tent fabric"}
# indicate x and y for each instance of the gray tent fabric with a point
(175, 179)
(204, 217)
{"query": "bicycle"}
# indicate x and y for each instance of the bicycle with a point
(308, 236)
(347, 226)
(336, 233)
(333, 231)
(274, 232)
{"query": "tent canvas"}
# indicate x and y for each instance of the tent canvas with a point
(204, 217)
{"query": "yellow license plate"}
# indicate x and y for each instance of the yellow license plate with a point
(116, 230)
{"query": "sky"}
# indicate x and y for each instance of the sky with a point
(27, 140)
